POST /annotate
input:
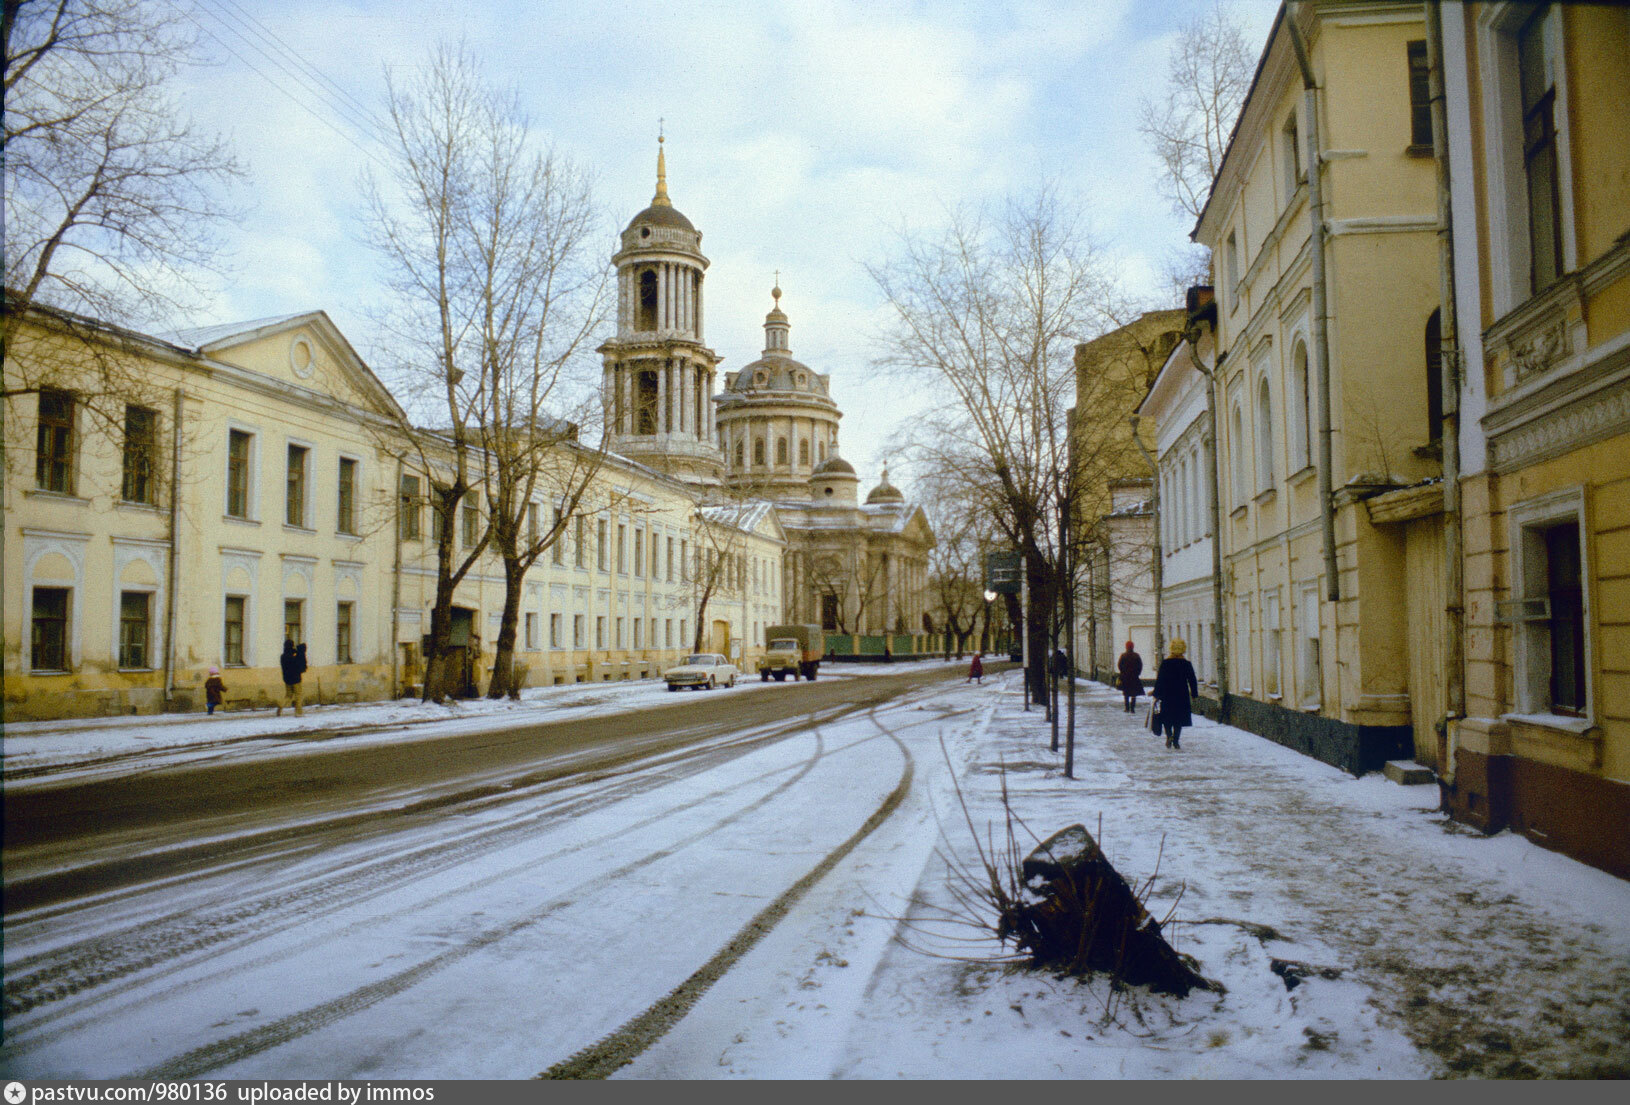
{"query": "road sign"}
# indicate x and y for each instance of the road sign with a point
(1004, 572)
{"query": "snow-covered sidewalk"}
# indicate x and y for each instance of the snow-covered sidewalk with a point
(1424, 949)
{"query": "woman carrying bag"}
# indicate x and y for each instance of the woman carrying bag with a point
(1175, 683)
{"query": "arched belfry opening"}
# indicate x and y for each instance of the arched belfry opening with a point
(648, 301)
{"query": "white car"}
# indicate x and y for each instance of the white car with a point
(703, 671)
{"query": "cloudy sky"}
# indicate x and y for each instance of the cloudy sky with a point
(800, 137)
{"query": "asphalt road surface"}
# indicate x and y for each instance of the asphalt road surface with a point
(80, 837)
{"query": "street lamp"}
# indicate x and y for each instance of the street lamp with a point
(990, 597)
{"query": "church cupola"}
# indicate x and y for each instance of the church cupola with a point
(776, 326)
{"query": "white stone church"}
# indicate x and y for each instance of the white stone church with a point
(770, 436)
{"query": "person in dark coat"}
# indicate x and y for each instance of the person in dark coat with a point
(293, 663)
(214, 690)
(1131, 669)
(1174, 685)
(976, 670)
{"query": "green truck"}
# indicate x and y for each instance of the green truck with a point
(794, 650)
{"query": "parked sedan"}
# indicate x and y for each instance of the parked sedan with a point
(702, 671)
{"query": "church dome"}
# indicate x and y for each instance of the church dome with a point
(663, 215)
(884, 492)
(776, 370)
(777, 374)
(835, 465)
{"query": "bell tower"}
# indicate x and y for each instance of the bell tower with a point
(659, 378)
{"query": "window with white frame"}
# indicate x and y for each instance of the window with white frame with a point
(600, 631)
(1200, 473)
(1237, 454)
(531, 629)
(232, 631)
(1180, 536)
(554, 629)
(1264, 437)
(1231, 256)
(1550, 614)
(1527, 140)
(345, 617)
(577, 630)
(1300, 409)
(135, 629)
(240, 474)
(296, 499)
(1290, 147)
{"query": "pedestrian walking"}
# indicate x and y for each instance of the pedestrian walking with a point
(214, 690)
(1061, 664)
(976, 670)
(1131, 669)
(293, 663)
(1174, 685)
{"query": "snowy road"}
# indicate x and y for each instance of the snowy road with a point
(756, 896)
(488, 937)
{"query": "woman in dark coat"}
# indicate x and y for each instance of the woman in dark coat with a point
(1131, 668)
(1174, 684)
(976, 670)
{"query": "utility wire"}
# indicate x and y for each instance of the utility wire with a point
(338, 95)
(317, 114)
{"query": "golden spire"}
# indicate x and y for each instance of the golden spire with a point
(661, 198)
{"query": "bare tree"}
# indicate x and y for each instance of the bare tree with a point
(956, 562)
(540, 285)
(1208, 74)
(446, 133)
(991, 308)
(112, 198)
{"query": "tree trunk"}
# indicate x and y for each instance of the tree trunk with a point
(1036, 626)
(503, 665)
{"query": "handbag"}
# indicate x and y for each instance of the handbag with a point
(1154, 718)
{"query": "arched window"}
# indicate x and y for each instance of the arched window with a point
(1236, 449)
(758, 452)
(1301, 410)
(803, 453)
(820, 450)
(781, 451)
(741, 453)
(1434, 377)
(648, 300)
(1264, 437)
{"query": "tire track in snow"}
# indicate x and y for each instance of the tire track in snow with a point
(64, 972)
(601, 1059)
(231, 1049)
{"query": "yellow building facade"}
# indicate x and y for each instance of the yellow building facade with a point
(1541, 212)
(181, 502)
(1326, 670)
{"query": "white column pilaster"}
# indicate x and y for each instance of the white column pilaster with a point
(662, 395)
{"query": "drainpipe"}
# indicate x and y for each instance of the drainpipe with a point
(173, 583)
(1321, 309)
(1454, 647)
(1158, 567)
(1219, 628)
